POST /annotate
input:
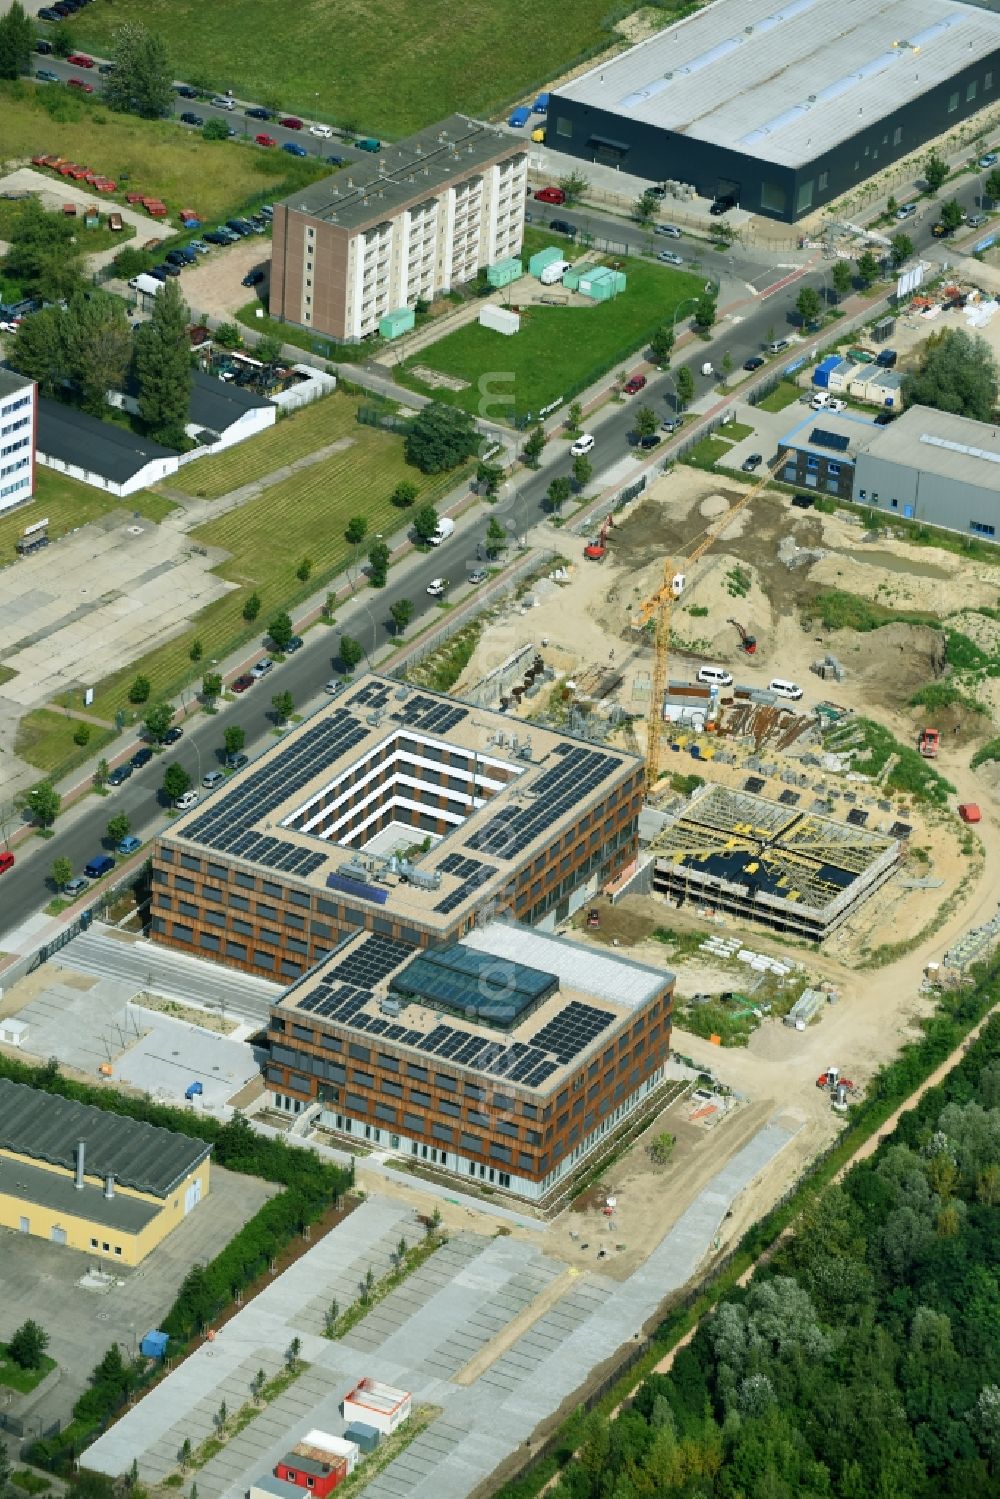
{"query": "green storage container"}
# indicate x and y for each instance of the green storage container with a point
(571, 278)
(601, 283)
(503, 272)
(537, 263)
(399, 321)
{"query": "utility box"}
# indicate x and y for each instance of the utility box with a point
(397, 322)
(883, 330)
(365, 1437)
(14, 1032)
(542, 258)
(821, 374)
(500, 319)
(503, 272)
(154, 1345)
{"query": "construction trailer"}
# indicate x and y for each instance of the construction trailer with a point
(377, 1404)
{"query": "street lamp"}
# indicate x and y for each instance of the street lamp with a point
(673, 321)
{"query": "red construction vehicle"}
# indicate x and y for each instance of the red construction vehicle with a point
(930, 743)
(831, 1078)
(596, 551)
(747, 641)
(593, 918)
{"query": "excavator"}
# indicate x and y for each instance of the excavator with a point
(747, 641)
(596, 551)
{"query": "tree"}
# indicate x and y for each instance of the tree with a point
(496, 538)
(62, 872)
(401, 613)
(98, 347)
(140, 689)
(842, 278)
(367, 1284)
(956, 373)
(574, 185)
(27, 1346)
(44, 254)
(661, 345)
(43, 803)
(157, 721)
(902, 248)
(331, 1317)
(38, 350)
(867, 267)
(61, 37)
(574, 416)
(356, 530)
(378, 564)
(215, 130)
(433, 1223)
(141, 81)
(534, 446)
(558, 493)
(400, 1254)
(197, 651)
(644, 421)
(257, 1384)
(488, 476)
(162, 367)
(685, 386)
(101, 772)
(645, 207)
(294, 1350)
(268, 347)
(583, 471)
(404, 494)
(440, 437)
(131, 262)
(211, 687)
(304, 569)
(81, 734)
(661, 1148)
(991, 186)
(284, 706)
(185, 1452)
(935, 171)
(228, 336)
(175, 781)
(222, 1416)
(952, 214)
(808, 306)
(280, 630)
(234, 738)
(17, 39)
(251, 608)
(119, 827)
(425, 522)
(351, 652)
(704, 313)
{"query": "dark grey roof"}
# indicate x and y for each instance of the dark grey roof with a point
(216, 404)
(48, 1128)
(11, 383)
(104, 448)
(414, 168)
(37, 1187)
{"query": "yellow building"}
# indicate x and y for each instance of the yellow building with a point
(96, 1181)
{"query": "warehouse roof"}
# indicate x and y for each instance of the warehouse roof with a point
(47, 1127)
(103, 448)
(46, 1189)
(937, 442)
(830, 434)
(787, 80)
(414, 169)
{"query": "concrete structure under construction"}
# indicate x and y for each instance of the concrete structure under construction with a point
(792, 869)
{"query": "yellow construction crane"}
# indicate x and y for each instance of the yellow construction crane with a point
(659, 608)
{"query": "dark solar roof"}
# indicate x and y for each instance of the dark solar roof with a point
(838, 442)
(46, 1127)
(102, 448)
(575, 773)
(476, 984)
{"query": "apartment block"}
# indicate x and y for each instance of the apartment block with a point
(18, 430)
(422, 217)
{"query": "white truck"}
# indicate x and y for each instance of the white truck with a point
(148, 284)
(445, 529)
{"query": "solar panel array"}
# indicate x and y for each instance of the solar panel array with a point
(837, 442)
(429, 713)
(372, 960)
(227, 824)
(471, 872)
(572, 1030)
(512, 828)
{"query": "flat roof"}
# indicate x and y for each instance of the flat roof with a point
(377, 1396)
(383, 765)
(358, 990)
(847, 429)
(937, 442)
(11, 383)
(786, 82)
(104, 448)
(413, 169)
(36, 1186)
(47, 1127)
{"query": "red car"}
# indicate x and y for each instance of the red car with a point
(80, 83)
(265, 140)
(243, 682)
(291, 122)
(550, 195)
(80, 60)
(635, 384)
(6, 862)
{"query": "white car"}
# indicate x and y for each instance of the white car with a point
(584, 444)
(671, 231)
(262, 668)
(8, 327)
(187, 801)
(334, 686)
(669, 258)
(436, 587)
(323, 131)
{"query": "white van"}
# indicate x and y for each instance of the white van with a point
(446, 527)
(782, 688)
(714, 676)
(820, 399)
(584, 444)
(554, 272)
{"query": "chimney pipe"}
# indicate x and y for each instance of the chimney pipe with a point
(81, 1156)
(109, 1185)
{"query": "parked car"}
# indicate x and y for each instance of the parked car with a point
(519, 117)
(334, 686)
(584, 444)
(777, 346)
(223, 101)
(216, 237)
(106, 68)
(669, 257)
(478, 575)
(885, 417)
(650, 440)
(563, 226)
(48, 14)
(939, 230)
(189, 118)
(295, 644)
(43, 46)
(669, 231)
(751, 462)
(185, 91)
(323, 132)
(130, 844)
(240, 227)
(100, 865)
(80, 83)
(975, 220)
(237, 762)
(294, 149)
(265, 140)
(6, 861)
(336, 161)
(722, 205)
(212, 779)
(989, 160)
(243, 681)
(120, 774)
(258, 112)
(45, 75)
(802, 501)
(755, 362)
(262, 667)
(906, 211)
(172, 735)
(436, 587)
(141, 757)
(290, 122)
(253, 278)
(635, 384)
(199, 247)
(187, 801)
(80, 60)
(74, 886)
(168, 269)
(782, 687)
(672, 424)
(551, 195)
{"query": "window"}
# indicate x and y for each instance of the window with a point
(953, 102)
(442, 1132)
(451, 1109)
(218, 872)
(357, 1103)
(897, 135)
(243, 927)
(186, 908)
(236, 950)
(269, 913)
(210, 941)
(812, 463)
(804, 196)
(180, 883)
(970, 92)
(184, 932)
(988, 82)
(239, 902)
(93, 1243)
(263, 959)
(418, 1096)
(362, 1079)
(471, 1142)
(419, 1073)
(118, 1249)
(358, 1053)
(981, 528)
(833, 469)
(384, 1112)
(444, 1081)
(392, 1089)
(106, 1248)
(500, 1153)
(564, 127)
(303, 1033)
(246, 880)
(773, 197)
(188, 862)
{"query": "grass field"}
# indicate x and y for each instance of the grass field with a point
(558, 350)
(384, 69)
(321, 423)
(45, 739)
(92, 240)
(23, 1380)
(152, 156)
(68, 505)
(781, 396)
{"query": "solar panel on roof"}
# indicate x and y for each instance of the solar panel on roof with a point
(572, 1030)
(837, 442)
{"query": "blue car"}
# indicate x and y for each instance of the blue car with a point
(130, 844)
(294, 149)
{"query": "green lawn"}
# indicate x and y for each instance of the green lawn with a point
(45, 740)
(291, 438)
(313, 343)
(151, 156)
(558, 350)
(384, 68)
(67, 505)
(92, 240)
(783, 395)
(707, 453)
(22, 1380)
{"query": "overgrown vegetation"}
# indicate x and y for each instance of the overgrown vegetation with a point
(441, 669)
(988, 751)
(937, 696)
(681, 944)
(908, 771)
(836, 610)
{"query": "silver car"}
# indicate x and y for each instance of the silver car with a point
(669, 258)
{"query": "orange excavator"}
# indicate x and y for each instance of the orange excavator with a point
(747, 641)
(596, 551)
